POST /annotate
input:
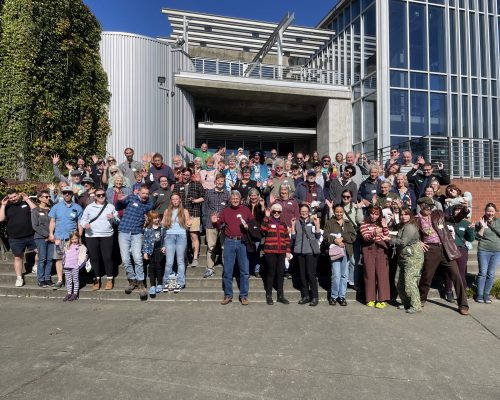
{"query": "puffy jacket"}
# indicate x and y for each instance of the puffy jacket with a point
(277, 238)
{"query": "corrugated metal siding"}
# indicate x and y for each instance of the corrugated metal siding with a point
(139, 109)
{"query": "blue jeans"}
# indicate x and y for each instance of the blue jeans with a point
(235, 250)
(488, 262)
(45, 252)
(339, 277)
(175, 245)
(131, 246)
(354, 262)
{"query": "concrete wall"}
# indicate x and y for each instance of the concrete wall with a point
(334, 129)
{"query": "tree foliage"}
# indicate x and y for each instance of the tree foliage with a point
(54, 95)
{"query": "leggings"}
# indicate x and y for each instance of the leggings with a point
(72, 280)
(275, 264)
(156, 268)
(101, 248)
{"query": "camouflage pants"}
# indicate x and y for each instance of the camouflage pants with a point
(408, 273)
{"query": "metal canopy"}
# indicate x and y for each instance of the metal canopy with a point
(215, 31)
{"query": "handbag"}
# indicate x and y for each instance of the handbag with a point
(254, 231)
(335, 252)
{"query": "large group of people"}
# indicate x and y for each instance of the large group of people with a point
(384, 228)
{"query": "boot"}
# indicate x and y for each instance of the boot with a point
(143, 293)
(281, 299)
(304, 300)
(132, 284)
(314, 302)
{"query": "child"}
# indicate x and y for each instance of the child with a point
(138, 175)
(74, 257)
(154, 237)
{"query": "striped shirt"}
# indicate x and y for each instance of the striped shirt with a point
(277, 237)
(369, 232)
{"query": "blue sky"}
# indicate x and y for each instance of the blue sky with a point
(145, 17)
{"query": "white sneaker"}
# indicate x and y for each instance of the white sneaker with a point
(33, 270)
(19, 281)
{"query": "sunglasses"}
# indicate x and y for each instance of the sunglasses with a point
(326, 161)
(276, 212)
(113, 172)
(299, 158)
(346, 197)
(67, 193)
(111, 160)
(100, 195)
(45, 196)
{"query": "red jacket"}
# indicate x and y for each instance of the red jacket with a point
(277, 238)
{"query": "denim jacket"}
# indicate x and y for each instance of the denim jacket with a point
(149, 239)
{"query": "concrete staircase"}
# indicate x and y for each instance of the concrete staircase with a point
(197, 287)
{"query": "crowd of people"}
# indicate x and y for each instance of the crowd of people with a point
(385, 229)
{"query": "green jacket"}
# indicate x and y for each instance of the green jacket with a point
(198, 153)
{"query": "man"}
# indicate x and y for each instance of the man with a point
(310, 193)
(385, 194)
(97, 170)
(351, 159)
(192, 195)
(203, 152)
(302, 161)
(160, 198)
(129, 167)
(297, 174)
(75, 180)
(16, 210)
(64, 217)
(235, 220)
(177, 166)
(344, 182)
(157, 169)
(421, 181)
(394, 158)
(130, 237)
(369, 188)
(216, 200)
(280, 178)
(440, 250)
(273, 158)
(406, 164)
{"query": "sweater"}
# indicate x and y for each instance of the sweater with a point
(102, 226)
(489, 241)
(277, 238)
(40, 222)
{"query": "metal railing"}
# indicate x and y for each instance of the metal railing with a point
(215, 66)
(462, 158)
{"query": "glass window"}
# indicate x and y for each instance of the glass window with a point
(370, 40)
(454, 115)
(437, 82)
(494, 119)
(397, 140)
(365, 3)
(472, 5)
(354, 8)
(463, 42)
(438, 114)
(399, 112)
(399, 79)
(454, 84)
(473, 85)
(436, 1)
(418, 112)
(475, 116)
(418, 81)
(370, 117)
(356, 46)
(482, 46)
(465, 117)
(453, 43)
(493, 60)
(473, 44)
(490, 6)
(493, 88)
(356, 122)
(486, 125)
(462, 3)
(437, 51)
(418, 38)
(480, 5)
(464, 85)
(397, 34)
(347, 16)
(484, 86)
(356, 91)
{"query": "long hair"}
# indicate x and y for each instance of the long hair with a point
(150, 217)
(167, 216)
(71, 236)
(374, 208)
(407, 211)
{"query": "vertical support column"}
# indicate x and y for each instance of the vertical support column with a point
(383, 95)
(334, 128)
(279, 45)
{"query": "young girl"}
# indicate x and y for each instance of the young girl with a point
(74, 257)
(154, 250)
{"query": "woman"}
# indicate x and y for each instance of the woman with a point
(259, 170)
(219, 155)
(257, 207)
(175, 220)
(430, 193)
(406, 195)
(114, 172)
(438, 196)
(207, 176)
(197, 168)
(374, 248)
(288, 168)
(321, 178)
(276, 249)
(454, 196)
(410, 259)
(391, 172)
(98, 219)
(306, 235)
(242, 164)
(341, 233)
(488, 252)
(231, 174)
(45, 248)
(315, 157)
(114, 191)
(245, 184)
(463, 233)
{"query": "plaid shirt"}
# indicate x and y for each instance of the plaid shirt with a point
(214, 202)
(133, 218)
(192, 190)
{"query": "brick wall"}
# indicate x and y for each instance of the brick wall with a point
(483, 191)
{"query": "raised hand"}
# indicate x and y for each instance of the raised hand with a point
(69, 166)
(94, 158)
(55, 158)
(182, 143)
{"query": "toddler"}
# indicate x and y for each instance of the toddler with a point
(74, 257)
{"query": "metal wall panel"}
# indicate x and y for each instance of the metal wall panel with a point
(139, 109)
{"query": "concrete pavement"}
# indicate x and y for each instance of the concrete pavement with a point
(130, 350)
